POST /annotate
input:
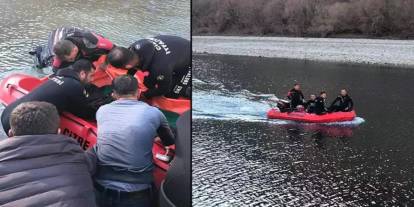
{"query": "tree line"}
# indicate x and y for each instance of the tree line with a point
(306, 18)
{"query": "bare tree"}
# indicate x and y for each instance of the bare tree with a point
(320, 18)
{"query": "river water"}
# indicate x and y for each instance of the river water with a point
(241, 158)
(26, 24)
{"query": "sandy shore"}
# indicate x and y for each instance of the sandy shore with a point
(369, 51)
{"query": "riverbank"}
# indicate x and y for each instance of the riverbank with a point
(398, 53)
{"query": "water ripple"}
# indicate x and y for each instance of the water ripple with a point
(242, 159)
(26, 24)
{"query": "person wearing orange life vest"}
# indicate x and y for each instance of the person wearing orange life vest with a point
(167, 59)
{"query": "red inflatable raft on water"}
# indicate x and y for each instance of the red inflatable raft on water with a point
(17, 85)
(311, 118)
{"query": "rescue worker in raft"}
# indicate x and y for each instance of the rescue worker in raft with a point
(166, 58)
(310, 104)
(79, 45)
(342, 103)
(66, 91)
(320, 104)
(295, 96)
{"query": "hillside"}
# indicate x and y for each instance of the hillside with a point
(305, 18)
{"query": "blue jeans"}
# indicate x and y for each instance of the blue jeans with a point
(116, 199)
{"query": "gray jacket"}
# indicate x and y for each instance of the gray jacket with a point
(45, 170)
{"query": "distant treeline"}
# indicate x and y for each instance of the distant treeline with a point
(308, 18)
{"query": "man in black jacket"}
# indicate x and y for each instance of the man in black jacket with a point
(166, 58)
(295, 96)
(79, 44)
(310, 104)
(342, 103)
(320, 104)
(40, 167)
(66, 91)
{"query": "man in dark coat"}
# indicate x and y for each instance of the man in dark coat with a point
(320, 104)
(295, 96)
(310, 104)
(38, 167)
(342, 103)
(65, 45)
(126, 132)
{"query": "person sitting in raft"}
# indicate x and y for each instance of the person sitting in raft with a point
(342, 103)
(295, 96)
(310, 104)
(79, 45)
(66, 91)
(39, 167)
(320, 104)
(126, 132)
(166, 58)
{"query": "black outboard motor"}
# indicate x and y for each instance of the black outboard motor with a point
(283, 105)
(43, 54)
(176, 188)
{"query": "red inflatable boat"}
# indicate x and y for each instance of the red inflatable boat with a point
(17, 85)
(311, 118)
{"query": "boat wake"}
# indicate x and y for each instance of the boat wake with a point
(211, 100)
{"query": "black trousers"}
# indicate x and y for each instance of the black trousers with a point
(106, 197)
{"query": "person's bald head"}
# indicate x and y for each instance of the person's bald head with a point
(121, 57)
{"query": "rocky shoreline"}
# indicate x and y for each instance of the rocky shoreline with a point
(399, 53)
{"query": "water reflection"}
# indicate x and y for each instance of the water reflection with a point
(241, 158)
(26, 24)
